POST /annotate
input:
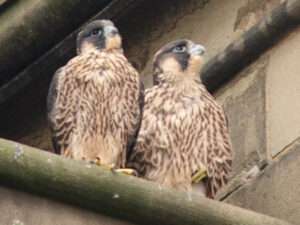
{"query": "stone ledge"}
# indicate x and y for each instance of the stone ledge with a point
(113, 194)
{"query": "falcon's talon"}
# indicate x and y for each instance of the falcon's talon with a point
(97, 162)
(199, 175)
(126, 171)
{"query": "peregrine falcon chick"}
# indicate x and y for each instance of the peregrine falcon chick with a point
(94, 101)
(183, 137)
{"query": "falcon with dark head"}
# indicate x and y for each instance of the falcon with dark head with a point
(183, 137)
(95, 100)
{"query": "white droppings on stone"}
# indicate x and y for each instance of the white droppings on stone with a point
(252, 172)
(88, 165)
(49, 160)
(19, 151)
(116, 195)
(16, 156)
(159, 187)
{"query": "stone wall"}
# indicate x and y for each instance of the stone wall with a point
(20, 208)
(261, 102)
(268, 131)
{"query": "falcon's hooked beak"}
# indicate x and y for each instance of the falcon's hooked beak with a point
(196, 49)
(110, 31)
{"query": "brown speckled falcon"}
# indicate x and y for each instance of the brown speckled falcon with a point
(94, 101)
(183, 136)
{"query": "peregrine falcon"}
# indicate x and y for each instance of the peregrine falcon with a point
(183, 137)
(94, 102)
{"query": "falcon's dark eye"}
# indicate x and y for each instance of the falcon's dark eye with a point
(179, 48)
(96, 32)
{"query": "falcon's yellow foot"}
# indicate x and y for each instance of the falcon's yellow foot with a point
(127, 171)
(109, 167)
(97, 162)
(199, 175)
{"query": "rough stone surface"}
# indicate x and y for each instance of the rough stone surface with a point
(243, 100)
(283, 94)
(30, 209)
(24, 119)
(275, 191)
(251, 12)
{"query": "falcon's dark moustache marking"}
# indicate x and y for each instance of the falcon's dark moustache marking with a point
(156, 74)
(168, 49)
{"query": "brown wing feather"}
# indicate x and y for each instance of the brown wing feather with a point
(132, 138)
(155, 155)
(51, 101)
(215, 145)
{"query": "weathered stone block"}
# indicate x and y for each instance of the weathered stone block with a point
(283, 94)
(243, 101)
(275, 191)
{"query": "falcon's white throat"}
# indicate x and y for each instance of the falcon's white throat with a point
(113, 42)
